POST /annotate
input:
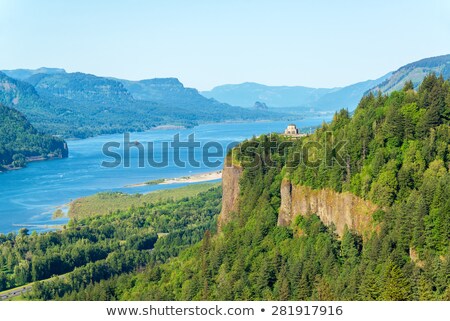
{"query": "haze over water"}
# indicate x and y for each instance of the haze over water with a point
(28, 197)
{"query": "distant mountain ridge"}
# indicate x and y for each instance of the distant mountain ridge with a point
(82, 105)
(328, 99)
(246, 94)
(416, 72)
(22, 74)
(347, 97)
(306, 98)
(171, 92)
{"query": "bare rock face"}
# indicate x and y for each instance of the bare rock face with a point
(230, 193)
(285, 216)
(340, 209)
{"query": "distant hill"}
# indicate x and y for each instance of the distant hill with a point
(82, 105)
(22, 74)
(416, 72)
(170, 92)
(305, 98)
(329, 99)
(248, 93)
(21, 142)
(24, 97)
(346, 97)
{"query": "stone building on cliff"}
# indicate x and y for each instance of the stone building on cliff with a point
(292, 130)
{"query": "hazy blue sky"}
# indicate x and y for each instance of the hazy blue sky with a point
(207, 43)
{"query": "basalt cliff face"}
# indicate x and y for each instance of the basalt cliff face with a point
(340, 209)
(333, 208)
(231, 175)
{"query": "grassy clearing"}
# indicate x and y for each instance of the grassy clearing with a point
(107, 202)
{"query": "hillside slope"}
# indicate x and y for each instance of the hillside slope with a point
(82, 105)
(171, 92)
(415, 72)
(304, 98)
(396, 159)
(20, 141)
(22, 74)
(329, 99)
(246, 94)
(347, 97)
(280, 236)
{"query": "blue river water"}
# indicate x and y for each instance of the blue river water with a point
(28, 197)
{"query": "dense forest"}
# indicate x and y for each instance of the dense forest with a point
(19, 140)
(396, 155)
(99, 247)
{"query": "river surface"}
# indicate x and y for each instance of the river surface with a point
(28, 197)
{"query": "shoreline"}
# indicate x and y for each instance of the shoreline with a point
(65, 208)
(29, 160)
(194, 178)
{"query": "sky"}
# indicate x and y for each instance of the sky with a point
(321, 43)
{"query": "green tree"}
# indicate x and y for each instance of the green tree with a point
(397, 287)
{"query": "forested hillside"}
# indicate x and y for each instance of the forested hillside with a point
(396, 156)
(329, 99)
(19, 141)
(415, 72)
(83, 105)
(103, 246)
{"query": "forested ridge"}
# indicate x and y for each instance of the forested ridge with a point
(20, 140)
(396, 155)
(103, 246)
(79, 105)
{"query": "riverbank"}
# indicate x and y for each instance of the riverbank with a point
(109, 202)
(30, 159)
(30, 196)
(195, 178)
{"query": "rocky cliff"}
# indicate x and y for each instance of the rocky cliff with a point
(230, 198)
(340, 209)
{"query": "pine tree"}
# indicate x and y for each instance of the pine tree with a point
(323, 290)
(369, 289)
(424, 289)
(408, 86)
(396, 287)
(303, 289)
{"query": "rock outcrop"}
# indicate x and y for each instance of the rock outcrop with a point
(340, 209)
(260, 106)
(230, 193)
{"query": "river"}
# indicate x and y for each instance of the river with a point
(28, 197)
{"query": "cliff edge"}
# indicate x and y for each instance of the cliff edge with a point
(340, 209)
(230, 193)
